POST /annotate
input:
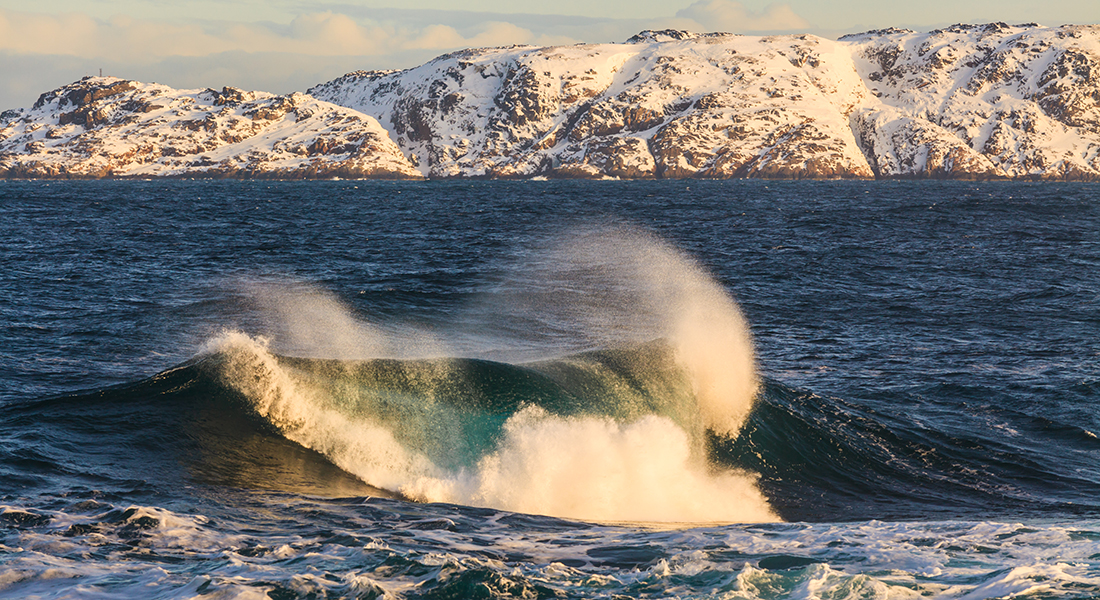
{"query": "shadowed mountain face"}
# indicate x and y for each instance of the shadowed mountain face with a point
(966, 102)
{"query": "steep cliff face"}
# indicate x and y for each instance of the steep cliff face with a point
(108, 127)
(978, 102)
(981, 100)
(665, 104)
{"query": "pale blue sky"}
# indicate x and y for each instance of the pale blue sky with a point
(835, 14)
(286, 45)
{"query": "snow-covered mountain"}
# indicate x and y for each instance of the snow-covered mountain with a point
(108, 127)
(664, 104)
(986, 101)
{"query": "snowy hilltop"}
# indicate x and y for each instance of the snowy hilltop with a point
(983, 102)
(108, 127)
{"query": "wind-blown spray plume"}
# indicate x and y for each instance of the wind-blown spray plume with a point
(605, 287)
(306, 321)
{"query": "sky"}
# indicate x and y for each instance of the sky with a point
(282, 46)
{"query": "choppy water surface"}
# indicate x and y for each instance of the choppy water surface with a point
(549, 389)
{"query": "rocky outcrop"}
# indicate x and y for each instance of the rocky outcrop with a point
(967, 102)
(107, 127)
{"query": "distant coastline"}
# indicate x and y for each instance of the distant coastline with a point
(969, 102)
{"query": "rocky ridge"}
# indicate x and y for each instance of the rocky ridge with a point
(108, 127)
(969, 101)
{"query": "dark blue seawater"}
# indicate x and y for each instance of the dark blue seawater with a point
(539, 389)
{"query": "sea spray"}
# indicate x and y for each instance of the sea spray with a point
(602, 287)
(305, 320)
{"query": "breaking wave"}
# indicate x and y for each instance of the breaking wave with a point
(654, 356)
(605, 435)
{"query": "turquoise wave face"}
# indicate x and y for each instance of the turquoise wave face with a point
(454, 409)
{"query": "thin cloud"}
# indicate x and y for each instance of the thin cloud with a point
(726, 15)
(314, 34)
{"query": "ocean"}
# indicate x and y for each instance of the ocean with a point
(549, 389)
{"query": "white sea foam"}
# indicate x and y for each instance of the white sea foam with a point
(243, 555)
(599, 469)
